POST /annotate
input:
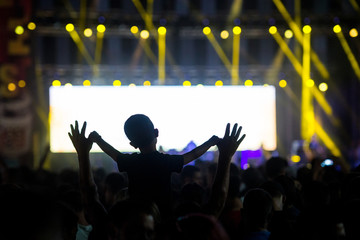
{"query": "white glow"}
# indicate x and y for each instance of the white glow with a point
(181, 114)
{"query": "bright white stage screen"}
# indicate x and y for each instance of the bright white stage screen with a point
(182, 114)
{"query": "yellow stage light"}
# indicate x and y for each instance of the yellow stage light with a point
(88, 32)
(206, 30)
(186, 83)
(307, 29)
(237, 30)
(266, 85)
(19, 30)
(162, 30)
(282, 83)
(56, 83)
(134, 29)
(337, 29)
(132, 85)
(353, 32)
(68, 85)
(310, 83)
(31, 26)
(144, 34)
(199, 85)
(272, 30)
(21, 83)
(219, 83)
(11, 87)
(248, 83)
(295, 158)
(147, 83)
(323, 87)
(86, 83)
(69, 27)
(288, 34)
(224, 34)
(101, 28)
(116, 83)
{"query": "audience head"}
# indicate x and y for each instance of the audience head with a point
(140, 130)
(114, 184)
(257, 209)
(276, 191)
(290, 191)
(134, 219)
(191, 174)
(276, 166)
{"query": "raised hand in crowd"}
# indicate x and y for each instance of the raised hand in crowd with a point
(227, 147)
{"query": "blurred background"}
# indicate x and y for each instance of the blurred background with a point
(308, 50)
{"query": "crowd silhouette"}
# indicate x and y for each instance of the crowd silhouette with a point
(160, 196)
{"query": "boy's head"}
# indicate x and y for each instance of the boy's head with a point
(140, 130)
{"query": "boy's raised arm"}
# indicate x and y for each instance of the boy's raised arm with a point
(107, 148)
(227, 148)
(200, 150)
(95, 211)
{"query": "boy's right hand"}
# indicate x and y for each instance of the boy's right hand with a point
(94, 136)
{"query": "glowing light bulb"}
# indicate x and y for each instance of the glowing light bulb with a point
(206, 30)
(144, 34)
(69, 27)
(224, 34)
(19, 30)
(88, 32)
(282, 83)
(272, 30)
(134, 29)
(237, 30)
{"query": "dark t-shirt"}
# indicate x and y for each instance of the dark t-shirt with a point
(150, 174)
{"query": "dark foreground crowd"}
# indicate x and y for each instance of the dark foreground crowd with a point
(160, 196)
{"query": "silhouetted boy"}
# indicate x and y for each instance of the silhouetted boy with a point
(149, 171)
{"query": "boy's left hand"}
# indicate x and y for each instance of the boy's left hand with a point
(80, 142)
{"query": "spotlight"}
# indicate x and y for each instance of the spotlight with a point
(134, 29)
(56, 83)
(323, 87)
(288, 34)
(21, 83)
(31, 26)
(144, 34)
(206, 30)
(307, 29)
(186, 83)
(224, 34)
(237, 30)
(69, 27)
(19, 30)
(11, 87)
(101, 28)
(248, 83)
(282, 83)
(353, 32)
(272, 30)
(162, 30)
(88, 32)
(87, 83)
(116, 83)
(295, 158)
(337, 29)
(310, 83)
(219, 83)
